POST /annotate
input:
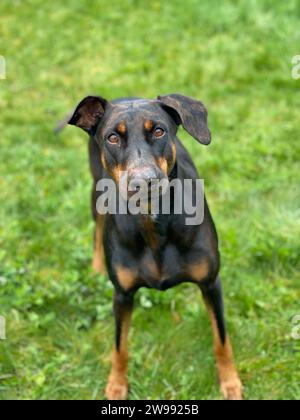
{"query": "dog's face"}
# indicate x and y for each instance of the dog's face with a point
(137, 136)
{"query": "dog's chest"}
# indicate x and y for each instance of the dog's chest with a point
(167, 265)
(162, 259)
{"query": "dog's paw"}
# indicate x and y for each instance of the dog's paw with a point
(117, 389)
(232, 389)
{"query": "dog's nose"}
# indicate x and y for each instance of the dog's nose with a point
(136, 184)
(141, 178)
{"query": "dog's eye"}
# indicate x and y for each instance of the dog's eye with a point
(158, 132)
(113, 139)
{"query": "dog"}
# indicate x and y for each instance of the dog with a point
(155, 251)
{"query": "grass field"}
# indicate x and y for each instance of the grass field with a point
(236, 57)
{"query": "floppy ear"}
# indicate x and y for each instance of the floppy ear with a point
(190, 113)
(88, 113)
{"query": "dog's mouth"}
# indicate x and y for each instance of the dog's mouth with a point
(143, 190)
(147, 190)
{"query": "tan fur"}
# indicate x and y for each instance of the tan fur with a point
(163, 164)
(230, 383)
(122, 128)
(127, 278)
(117, 386)
(174, 155)
(150, 232)
(148, 124)
(153, 270)
(115, 172)
(199, 271)
(103, 161)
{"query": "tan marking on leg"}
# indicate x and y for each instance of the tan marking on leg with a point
(199, 271)
(117, 386)
(148, 125)
(230, 382)
(98, 260)
(127, 278)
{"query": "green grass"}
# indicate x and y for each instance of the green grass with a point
(236, 57)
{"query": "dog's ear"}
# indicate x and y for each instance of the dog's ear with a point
(88, 113)
(190, 113)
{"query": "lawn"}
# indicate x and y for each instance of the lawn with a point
(236, 57)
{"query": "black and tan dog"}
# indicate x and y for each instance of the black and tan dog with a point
(139, 136)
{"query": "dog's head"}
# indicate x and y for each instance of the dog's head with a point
(138, 136)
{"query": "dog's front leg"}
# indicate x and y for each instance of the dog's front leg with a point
(231, 385)
(117, 387)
